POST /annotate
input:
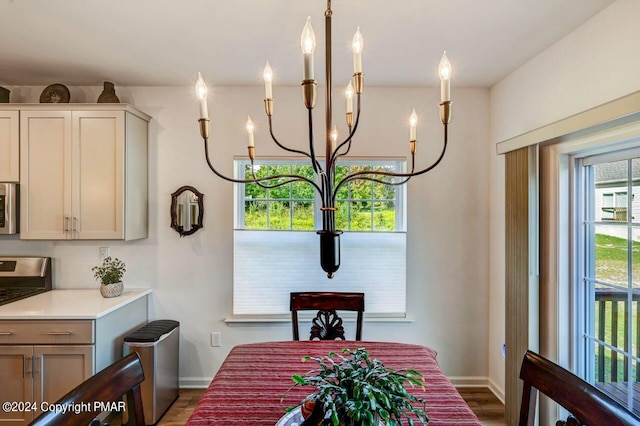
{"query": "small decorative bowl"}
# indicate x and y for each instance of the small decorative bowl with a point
(111, 290)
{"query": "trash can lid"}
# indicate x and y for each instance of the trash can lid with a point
(152, 331)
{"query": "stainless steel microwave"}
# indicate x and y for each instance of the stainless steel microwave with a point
(9, 202)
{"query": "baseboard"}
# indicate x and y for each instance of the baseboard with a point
(497, 390)
(470, 381)
(478, 382)
(194, 383)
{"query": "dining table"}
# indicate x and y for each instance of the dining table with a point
(250, 388)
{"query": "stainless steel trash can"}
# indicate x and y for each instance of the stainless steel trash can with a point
(157, 343)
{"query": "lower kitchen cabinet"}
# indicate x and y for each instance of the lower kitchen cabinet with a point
(43, 359)
(31, 375)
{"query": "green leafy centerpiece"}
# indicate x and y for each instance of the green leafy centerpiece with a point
(110, 275)
(353, 389)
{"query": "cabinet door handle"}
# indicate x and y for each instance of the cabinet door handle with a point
(27, 362)
(5, 333)
(58, 333)
(74, 225)
(65, 226)
(36, 360)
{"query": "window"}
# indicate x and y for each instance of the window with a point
(367, 206)
(276, 248)
(609, 274)
(288, 207)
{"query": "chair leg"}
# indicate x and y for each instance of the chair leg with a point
(528, 406)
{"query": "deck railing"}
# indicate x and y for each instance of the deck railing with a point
(613, 327)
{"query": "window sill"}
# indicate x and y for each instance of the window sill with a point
(266, 320)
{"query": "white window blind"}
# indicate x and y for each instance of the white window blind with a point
(268, 265)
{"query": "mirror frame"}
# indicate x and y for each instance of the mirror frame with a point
(174, 215)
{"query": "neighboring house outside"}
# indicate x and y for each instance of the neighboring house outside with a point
(611, 198)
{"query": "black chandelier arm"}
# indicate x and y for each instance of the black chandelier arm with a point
(295, 151)
(348, 146)
(352, 131)
(292, 178)
(312, 153)
(369, 179)
(213, 169)
(361, 174)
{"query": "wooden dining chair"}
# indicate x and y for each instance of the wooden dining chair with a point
(100, 393)
(587, 404)
(326, 325)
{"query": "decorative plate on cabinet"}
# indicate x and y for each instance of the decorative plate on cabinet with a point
(55, 94)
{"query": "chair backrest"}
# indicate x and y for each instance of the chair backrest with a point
(327, 325)
(107, 387)
(585, 402)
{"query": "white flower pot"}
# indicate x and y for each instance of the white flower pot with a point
(111, 290)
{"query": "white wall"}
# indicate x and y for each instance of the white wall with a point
(596, 63)
(191, 277)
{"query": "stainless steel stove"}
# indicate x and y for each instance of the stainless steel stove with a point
(23, 276)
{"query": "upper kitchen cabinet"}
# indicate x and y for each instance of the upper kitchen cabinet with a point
(9, 146)
(83, 172)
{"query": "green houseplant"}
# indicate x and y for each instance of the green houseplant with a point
(110, 274)
(354, 389)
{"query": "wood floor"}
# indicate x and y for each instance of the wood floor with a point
(487, 407)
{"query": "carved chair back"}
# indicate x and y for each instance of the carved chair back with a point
(107, 387)
(326, 325)
(587, 404)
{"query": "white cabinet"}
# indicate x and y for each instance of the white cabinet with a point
(33, 373)
(41, 360)
(9, 146)
(83, 172)
(17, 383)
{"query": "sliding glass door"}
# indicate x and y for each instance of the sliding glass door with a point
(608, 282)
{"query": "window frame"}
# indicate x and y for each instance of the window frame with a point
(279, 257)
(398, 165)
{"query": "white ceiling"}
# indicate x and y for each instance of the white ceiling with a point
(166, 42)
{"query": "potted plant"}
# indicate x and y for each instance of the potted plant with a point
(110, 276)
(353, 389)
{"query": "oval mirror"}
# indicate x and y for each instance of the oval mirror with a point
(187, 210)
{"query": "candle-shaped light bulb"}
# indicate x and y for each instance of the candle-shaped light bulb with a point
(250, 131)
(308, 45)
(349, 93)
(358, 45)
(445, 78)
(334, 138)
(413, 121)
(268, 79)
(201, 94)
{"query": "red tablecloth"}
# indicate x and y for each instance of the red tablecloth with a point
(251, 381)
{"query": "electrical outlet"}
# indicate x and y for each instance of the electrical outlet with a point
(215, 339)
(104, 253)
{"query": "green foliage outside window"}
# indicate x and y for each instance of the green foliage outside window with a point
(362, 205)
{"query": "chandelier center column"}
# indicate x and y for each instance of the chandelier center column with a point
(328, 203)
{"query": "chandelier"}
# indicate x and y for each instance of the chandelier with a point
(326, 183)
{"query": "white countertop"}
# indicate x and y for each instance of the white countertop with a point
(69, 304)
